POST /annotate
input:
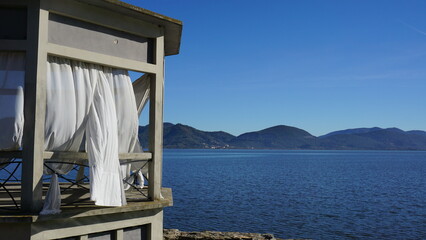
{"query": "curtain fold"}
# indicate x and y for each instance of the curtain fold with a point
(141, 88)
(69, 95)
(127, 117)
(106, 181)
(84, 101)
(12, 78)
(91, 102)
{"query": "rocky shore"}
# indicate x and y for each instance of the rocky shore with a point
(174, 234)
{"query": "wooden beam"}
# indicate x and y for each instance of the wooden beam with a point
(103, 17)
(76, 155)
(135, 156)
(64, 155)
(83, 155)
(156, 123)
(101, 59)
(84, 237)
(119, 234)
(34, 108)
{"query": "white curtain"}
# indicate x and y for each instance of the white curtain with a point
(70, 89)
(141, 87)
(95, 101)
(12, 77)
(106, 181)
(83, 100)
(127, 117)
(69, 95)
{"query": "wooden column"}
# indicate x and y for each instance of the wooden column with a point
(156, 122)
(34, 108)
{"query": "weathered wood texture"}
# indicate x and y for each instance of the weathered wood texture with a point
(76, 203)
(34, 108)
(156, 122)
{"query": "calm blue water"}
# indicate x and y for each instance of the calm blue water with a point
(298, 194)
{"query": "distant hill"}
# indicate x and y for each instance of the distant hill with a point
(182, 136)
(286, 137)
(278, 137)
(417, 132)
(374, 139)
(352, 131)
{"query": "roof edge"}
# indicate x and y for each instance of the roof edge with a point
(144, 11)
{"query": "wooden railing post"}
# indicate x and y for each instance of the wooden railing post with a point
(34, 108)
(156, 122)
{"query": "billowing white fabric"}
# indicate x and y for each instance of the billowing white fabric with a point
(106, 182)
(141, 87)
(12, 77)
(70, 89)
(52, 202)
(69, 95)
(81, 98)
(81, 101)
(127, 116)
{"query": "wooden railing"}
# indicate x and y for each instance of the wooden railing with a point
(81, 159)
(76, 155)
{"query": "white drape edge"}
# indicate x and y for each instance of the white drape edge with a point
(12, 78)
(102, 147)
(136, 97)
(141, 89)
(127, 118)
(52, 203)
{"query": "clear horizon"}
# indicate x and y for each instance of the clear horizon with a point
(319, 66)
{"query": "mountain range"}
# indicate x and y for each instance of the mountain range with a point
(292, 138)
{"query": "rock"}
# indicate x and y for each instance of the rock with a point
(175, 234)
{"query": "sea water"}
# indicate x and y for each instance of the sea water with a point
(298, 194)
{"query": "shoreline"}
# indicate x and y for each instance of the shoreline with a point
(175, 234)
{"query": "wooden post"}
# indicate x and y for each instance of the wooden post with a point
(156, 122)
(34, 108)
(119, 234)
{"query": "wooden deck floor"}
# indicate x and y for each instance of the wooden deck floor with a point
(76, 202)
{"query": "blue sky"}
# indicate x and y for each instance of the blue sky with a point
(317, 65)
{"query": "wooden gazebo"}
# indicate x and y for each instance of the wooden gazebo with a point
(109, 33)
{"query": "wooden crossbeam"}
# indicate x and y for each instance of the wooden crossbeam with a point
(47, 155)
